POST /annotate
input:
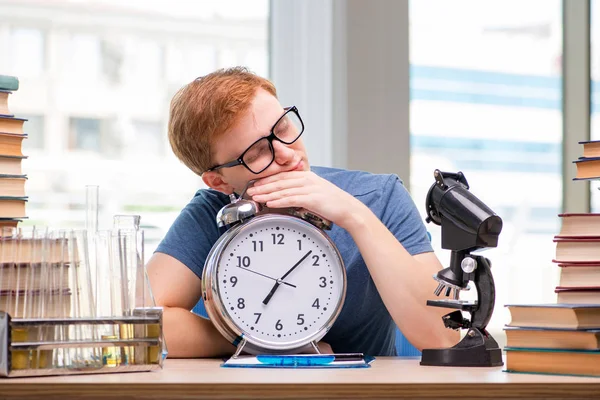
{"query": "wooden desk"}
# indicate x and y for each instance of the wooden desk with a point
(387, 378)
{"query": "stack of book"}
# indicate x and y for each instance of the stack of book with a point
(588, 165)
(554, 339)
(564, 337)
(12, 180)
(36, 276)
(578, 256)
(20, 275)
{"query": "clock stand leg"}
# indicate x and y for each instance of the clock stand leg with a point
(315, 347)
(239, 348)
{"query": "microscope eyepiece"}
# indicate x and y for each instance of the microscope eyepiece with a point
(467, 223)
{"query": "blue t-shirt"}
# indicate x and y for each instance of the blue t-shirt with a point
(364, 324)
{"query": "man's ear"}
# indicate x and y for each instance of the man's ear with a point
(214, 180)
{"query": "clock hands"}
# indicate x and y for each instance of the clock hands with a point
(280, 280)
(267, 276)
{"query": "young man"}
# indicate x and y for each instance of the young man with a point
(229, 128)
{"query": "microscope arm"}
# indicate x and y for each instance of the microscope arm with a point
(486, 294)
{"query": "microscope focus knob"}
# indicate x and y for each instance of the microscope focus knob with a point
(468, 265)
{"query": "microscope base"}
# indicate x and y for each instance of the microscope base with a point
(475, 350)
(452, 357)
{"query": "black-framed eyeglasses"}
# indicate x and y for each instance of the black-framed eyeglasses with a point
(260, 154)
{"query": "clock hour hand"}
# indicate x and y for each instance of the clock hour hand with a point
(267, 276)
(280, 280)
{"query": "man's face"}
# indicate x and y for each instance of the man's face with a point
(255, 123)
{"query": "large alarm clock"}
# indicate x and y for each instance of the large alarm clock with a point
(274, 282)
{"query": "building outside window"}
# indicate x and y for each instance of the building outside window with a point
(85, 134)
(595, 91)
(27, 50)
(102, 74)
(35, 124)
(486, 100)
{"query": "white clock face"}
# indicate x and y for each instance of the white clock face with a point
(280, 281)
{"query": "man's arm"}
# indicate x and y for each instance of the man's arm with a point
(177, 289)
(389, 264)
(404, 282)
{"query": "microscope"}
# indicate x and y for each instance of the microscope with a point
(467, 225)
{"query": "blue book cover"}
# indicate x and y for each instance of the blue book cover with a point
(584, 159)
(589, 141)
(301, 361)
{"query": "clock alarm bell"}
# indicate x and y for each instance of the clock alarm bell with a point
(239, 210)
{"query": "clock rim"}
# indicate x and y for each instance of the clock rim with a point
(217, 311)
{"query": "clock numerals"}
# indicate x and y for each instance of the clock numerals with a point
(241, 303)
(258, 245)
(315, 260)
(289, 289)
(243, 261)
(315, 304)
(277, 238)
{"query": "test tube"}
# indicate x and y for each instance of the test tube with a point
(91, 204)
(7, 270)
(108, 298)
(64, 293)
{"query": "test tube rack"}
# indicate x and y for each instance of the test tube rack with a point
(35, 346)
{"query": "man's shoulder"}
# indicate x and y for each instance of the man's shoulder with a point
(356, 182)
(210, 195)
(209, 199)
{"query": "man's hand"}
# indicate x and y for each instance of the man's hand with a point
(305, 189)
(324, 348)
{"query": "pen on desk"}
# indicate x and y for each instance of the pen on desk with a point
(309, 359)
(348, 357)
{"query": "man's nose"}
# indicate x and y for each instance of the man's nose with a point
(283, 153)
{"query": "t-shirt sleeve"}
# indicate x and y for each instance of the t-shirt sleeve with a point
(192, 235)
(402, 218)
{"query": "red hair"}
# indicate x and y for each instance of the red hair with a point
(204, 109)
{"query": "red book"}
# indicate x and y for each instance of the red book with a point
(581, 274)
(577, 250)
(578, 295)
(579, 225)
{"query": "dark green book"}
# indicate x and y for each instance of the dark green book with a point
(8, 82)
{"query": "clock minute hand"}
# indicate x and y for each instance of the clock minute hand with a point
(266, 276)
(276, 285)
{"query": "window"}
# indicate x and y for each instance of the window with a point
(85, 134)
(145, 62)
(27, 51)
(34, 128)
(105, 98)
(490, 73)
(189, 61)
(595, 91)
(84, 56)
(147, 138)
